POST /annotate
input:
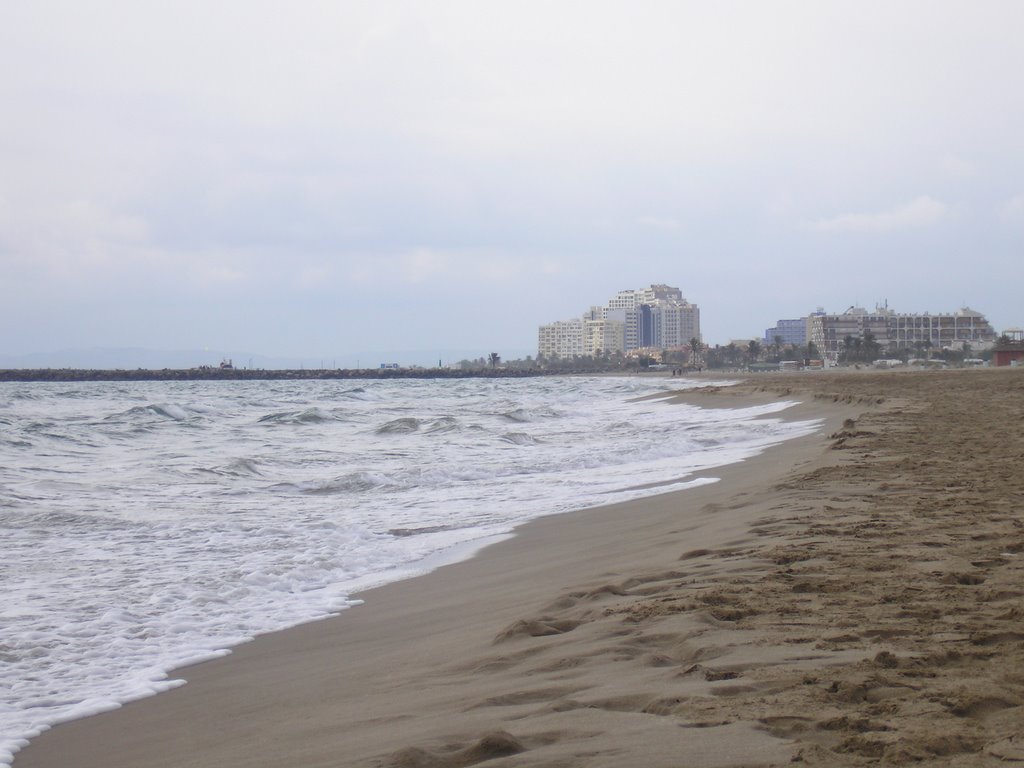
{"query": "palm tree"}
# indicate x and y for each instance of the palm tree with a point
(872, 349)
(494, 358)
(732, 353)
(695, 349)
(858, 348)
(847, 349)
(753, 351)
(853, 349)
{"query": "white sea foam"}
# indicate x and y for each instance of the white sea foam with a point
(147, 526)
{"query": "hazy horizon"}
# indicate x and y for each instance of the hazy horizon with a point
(137, 357)
(327, 181)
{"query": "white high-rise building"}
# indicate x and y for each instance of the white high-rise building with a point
(562, 339)
(680, 322)
(604, 335)
(655, 317)
(661, 319)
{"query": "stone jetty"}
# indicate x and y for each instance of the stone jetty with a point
(254, 374)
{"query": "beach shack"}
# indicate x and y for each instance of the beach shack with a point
(1010, 349)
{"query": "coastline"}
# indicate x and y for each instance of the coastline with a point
(650, 632)
(209, 373)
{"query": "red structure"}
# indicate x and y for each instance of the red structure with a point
(1011, 350)
(1006, 354)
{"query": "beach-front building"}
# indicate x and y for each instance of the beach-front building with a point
(791, 332)
(590, 335)
(657, 317)
(894, 331)
(1009, 349)
(829, 332)
(562, 338)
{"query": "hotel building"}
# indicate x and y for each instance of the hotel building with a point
(894, 332)
(657, 317)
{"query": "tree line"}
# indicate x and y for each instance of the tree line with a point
(697, 356)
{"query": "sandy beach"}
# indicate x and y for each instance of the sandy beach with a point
(848, 598)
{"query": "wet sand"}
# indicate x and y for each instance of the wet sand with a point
(848, 598)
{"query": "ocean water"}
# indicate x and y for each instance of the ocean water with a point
(150, 525)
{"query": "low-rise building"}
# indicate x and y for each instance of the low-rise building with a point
(1009, 349)
(892, 331)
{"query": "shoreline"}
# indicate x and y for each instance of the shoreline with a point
(380, 600)
(76, 375)
(751, 621)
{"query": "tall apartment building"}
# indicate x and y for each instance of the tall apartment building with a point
(657, 317)
(895, 331)
(680, 322)
(793, 332)
(562, 338)
(602, 335)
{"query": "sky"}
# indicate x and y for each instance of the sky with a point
(331, 179)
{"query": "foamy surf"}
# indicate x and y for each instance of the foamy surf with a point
(151, 525)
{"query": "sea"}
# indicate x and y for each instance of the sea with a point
(150, 525)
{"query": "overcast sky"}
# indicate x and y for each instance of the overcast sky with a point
(331, 178)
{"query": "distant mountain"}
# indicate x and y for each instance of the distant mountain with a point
(134, 357)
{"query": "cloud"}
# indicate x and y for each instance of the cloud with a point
(420, 156)
(429, 265)
(1012, 211)
(69, 240)
(957, 167)
(922, 212)
(83, 245)
(312, 278)
(214, 276)
(425, 264)
(663, 223)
